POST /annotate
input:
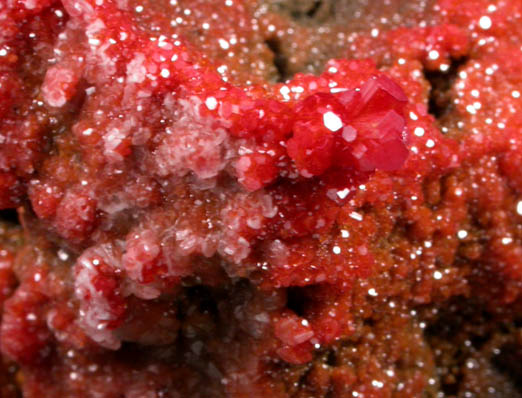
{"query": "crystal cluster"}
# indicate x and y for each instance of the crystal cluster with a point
(256, 199)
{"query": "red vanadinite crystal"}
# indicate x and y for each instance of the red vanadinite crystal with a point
(25, 336)
(195, 222)
(97, 286)
(256, 170)
(361, 130)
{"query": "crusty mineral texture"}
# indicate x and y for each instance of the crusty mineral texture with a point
(261, 199)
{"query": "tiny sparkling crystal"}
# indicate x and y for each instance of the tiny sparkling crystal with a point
(272, 198)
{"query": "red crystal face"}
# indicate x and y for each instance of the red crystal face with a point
(260, 198)
(362, 130)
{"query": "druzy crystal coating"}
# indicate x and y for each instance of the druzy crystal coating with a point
(260, 198)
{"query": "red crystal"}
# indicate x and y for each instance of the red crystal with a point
(191, 228)
(368, 132)
(75, 215)
(256, 170)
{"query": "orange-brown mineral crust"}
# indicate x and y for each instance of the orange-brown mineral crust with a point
(260, 198)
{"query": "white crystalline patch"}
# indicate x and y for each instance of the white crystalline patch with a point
(433, 55)
(136, 71)
(245, 210)
(170, 157)
(211, 103)
(94, 42)
(188, 241)
(349, 134)
(56, 88)
(224, 44)
(356, 216)
(343, 193)
(142, 249)
(114, 204)
(78, 8)
(269, 210)
(255, 222)
(419, 131)
(278, 253)
(95, 313)
(54, 96)
(29, 4)
(140, 136)
(145, 292)
(94, 27)
(332, 121)
(91, 31)
(191, 144)
(462, 234)
(111, 141)
(236, 251)
(190, 150)
(243, 164)
(104, 62)
(430, 143)
(485, 22)
(284, 92)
